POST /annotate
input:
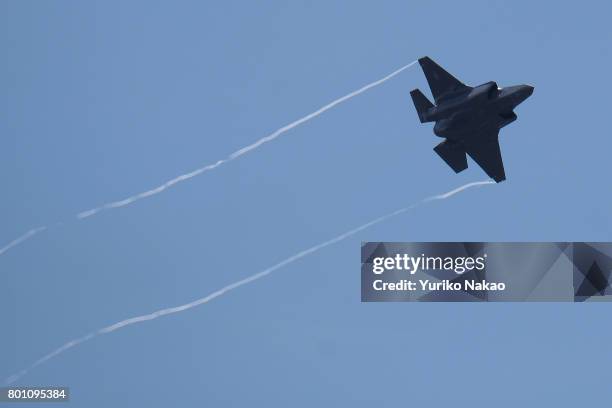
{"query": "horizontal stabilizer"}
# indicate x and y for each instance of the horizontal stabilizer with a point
(421, 103)
(453, 155)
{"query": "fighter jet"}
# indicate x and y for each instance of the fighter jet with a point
(468, 118)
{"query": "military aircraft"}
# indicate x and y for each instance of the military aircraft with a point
(469, 118)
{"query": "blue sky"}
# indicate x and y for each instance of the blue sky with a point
(101, 100)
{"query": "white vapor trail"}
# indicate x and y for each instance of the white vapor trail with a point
(240, 152)
(235, 285)
(21, 239)
(233, 156)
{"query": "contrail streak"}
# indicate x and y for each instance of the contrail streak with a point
(235, 285)
(240, 152)
(233, 156)
(21, 239)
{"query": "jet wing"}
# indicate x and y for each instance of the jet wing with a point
(440, 82)
(485, 151)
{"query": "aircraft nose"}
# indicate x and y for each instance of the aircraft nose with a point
(522, 92)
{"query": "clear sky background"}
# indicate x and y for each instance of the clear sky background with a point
(101, 100)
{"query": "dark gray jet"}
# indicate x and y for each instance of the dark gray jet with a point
(469, 118)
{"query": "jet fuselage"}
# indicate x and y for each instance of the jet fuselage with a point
(466, 113)
(468, 118)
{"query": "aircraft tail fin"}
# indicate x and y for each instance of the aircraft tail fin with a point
(453, 155)
(421, 103)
